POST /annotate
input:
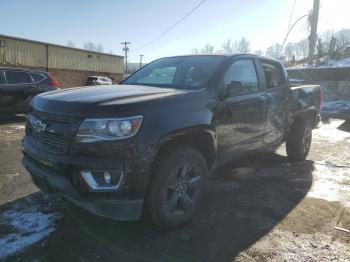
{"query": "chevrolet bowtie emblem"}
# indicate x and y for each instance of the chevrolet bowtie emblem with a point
(38, 125)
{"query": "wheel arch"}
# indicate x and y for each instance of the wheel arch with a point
(202, 138)
(309, 114)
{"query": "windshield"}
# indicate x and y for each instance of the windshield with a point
(189, 72)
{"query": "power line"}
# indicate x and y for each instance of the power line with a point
(291, 15)
(171, 27)
(290, 29)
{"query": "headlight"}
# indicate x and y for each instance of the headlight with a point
(94, 130)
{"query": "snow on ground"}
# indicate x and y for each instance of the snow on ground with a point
(325, 63)
(339, 63)
(18, 127)
(331, 175)
(331, 183)
(24, 224)
(330, 133)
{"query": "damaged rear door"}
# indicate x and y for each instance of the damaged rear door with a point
(277, 95)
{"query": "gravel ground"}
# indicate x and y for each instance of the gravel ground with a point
(262, 208)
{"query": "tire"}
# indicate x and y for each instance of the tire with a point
(299, 140)
(176, 187)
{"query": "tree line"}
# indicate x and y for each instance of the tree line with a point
(291, 51)
(91, 46)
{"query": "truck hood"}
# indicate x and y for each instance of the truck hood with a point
(82, 101)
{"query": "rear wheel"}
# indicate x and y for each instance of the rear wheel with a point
(176, 189)
(299, 140)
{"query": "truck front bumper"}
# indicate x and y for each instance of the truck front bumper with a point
(50, 179)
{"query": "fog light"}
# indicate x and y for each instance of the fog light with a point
(103, 180)
(107, 177)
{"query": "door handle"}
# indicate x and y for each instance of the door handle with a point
(267, 98)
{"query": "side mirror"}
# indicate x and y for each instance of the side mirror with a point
(222, 90)
(230, 89)
(233, 88)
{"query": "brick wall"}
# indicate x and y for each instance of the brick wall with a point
(72, 78)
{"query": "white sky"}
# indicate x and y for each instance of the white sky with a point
(110, 22)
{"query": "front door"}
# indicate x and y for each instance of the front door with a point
(242, 120)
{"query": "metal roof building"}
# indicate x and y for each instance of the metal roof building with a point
(70, 65)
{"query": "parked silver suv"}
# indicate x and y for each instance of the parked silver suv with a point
(98, 80)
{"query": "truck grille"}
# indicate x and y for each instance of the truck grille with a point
(54, 142)
(51, 133)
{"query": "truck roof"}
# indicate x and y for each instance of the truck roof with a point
(228, 55)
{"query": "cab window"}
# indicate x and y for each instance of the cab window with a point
(241, 78)
(274, 74)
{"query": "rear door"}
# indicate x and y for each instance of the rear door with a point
(277, 93)
(243, 117)
(17, 90)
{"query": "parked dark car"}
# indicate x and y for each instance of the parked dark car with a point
(19, 86)
(149, 144)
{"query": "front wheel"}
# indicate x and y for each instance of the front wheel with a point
(176, 188)
(299, 140)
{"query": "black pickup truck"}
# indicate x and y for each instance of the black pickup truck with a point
(147, 145)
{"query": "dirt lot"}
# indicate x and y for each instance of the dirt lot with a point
(264, 208)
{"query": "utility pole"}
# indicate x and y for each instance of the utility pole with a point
(313, 31)
(126, 50)
(141, 60)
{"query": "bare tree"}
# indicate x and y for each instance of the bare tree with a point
(326, 39)
(228, 46)
(274, 51)
(302, 48)
(242, 45)
(93, 47)
(207, 49)
(89, 46)
(343, 39)
(289, 51)
(258, 52)
(195, 51)
(99, 48)
(70, 43)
